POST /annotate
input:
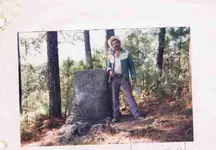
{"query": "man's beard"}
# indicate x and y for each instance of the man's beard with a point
(117, 48)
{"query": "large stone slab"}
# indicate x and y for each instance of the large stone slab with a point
(91, 102)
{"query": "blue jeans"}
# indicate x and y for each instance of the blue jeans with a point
(117, 82)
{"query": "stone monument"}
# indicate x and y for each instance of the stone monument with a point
(91, 102)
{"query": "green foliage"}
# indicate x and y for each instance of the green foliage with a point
(66, 80)
(143, 44)
(99, 58)
(34, 88)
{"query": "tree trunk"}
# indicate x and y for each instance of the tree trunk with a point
(88, 49)
(53, 75)
(180, 43)
(109, 33)
(160, 53)
(189, 69)
(161, 48)
(69, 107)
(67, 92)
(20, 78)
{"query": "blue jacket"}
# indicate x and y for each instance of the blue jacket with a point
(127, 64)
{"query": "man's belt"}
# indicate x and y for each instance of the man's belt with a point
(118, 75)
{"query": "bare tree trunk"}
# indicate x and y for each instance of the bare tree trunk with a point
(72, 98)
(88, 49)
(160, 53)
(109, 33)
(67, 92)
(161, 48)
(180, 43)
(53, 75)
(189, 68)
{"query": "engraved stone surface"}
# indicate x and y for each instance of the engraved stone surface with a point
(91, 100)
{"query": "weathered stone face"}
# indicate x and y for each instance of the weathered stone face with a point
(91, 95)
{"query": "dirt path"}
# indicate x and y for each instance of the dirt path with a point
(164, 122)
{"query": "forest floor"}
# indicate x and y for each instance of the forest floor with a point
(164, 121)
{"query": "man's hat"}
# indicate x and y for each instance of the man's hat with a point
(112, 38)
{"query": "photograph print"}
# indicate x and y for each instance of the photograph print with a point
(105, 86)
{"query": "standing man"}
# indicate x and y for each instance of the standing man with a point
(120, 67)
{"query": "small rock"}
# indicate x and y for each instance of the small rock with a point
(95, 127)
(70, 131)
(147, 126)
(83, 128)
(78, 123)
(60, 133)
(155, 103)
(70, 120)
(49, 143)
(155, 124)
(148, 120)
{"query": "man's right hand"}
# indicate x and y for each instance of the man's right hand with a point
(111, 73)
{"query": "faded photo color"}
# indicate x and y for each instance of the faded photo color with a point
(69, 87)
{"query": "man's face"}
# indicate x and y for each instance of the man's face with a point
(116, 45)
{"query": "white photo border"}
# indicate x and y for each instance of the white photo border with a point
(199, 17)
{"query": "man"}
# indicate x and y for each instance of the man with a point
(120, 67)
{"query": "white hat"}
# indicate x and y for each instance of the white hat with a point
(112, 38)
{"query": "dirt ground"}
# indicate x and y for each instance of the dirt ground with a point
(163, 121)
